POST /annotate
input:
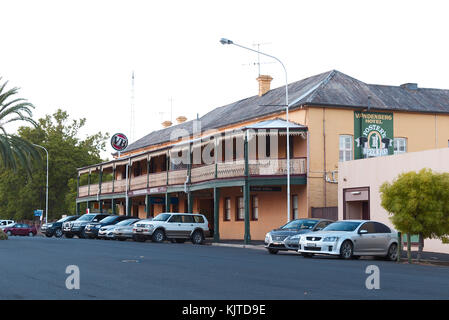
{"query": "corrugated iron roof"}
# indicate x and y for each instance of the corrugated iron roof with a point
(331, 88)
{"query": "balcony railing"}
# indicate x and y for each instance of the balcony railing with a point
(224, 170)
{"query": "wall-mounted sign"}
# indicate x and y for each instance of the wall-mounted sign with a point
(119, 141)
(373, 134)
(268, 189)
(38, 213)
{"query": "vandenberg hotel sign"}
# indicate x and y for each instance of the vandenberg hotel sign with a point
(373, 134)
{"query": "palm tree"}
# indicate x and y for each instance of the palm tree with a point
(14, 150)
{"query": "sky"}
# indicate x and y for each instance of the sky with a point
(80, 55)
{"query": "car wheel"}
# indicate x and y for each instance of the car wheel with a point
(30, 234)
(273, 251)
(392, 254)
(58, 233)
(346, 250)
(9, 233)
(158, 236)
(307, 255)
(70, 236)
(48, 235)
(197, 237)
(180, 240)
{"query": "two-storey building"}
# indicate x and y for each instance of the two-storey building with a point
(231, 164)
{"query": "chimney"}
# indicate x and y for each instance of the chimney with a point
(410, 86)
(264, 84)
(167, 123)
(181, 119)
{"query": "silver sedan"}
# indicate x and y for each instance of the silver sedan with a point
(351, 239)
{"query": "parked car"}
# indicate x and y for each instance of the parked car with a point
(106, 230)
(173, 226)
(287, 237)
(123, 229)
(352, 239)
(20, 229)
(76, 227)
(55, 228)
(99, 230)
(6, 223)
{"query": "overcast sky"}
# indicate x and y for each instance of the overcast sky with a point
(79, 55)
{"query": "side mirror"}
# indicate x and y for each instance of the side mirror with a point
(318, 229)
(363, 232)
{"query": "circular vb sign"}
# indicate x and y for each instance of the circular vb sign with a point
(119, 141)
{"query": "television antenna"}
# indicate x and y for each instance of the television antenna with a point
(258, 63)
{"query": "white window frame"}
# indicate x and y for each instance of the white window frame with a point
(343, 151)
(400, 142)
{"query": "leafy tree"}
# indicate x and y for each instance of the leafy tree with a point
(21, 195)
(15, 151)
(419, 204)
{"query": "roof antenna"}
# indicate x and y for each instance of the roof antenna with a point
(258, 63)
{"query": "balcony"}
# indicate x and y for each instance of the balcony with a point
(224, 170)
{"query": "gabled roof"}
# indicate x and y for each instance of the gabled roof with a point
(331, 88)
(276, 124)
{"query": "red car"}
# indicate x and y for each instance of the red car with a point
(21, 229)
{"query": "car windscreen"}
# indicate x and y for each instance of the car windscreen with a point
(109, 219)
(162, 217)
(342, 226)
(64, 219)
(300, 224)
(86, 217)
(126, 222)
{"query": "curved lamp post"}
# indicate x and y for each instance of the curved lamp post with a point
(227, 41)
(46, 193)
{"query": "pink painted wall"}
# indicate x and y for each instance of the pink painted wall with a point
(375, 171)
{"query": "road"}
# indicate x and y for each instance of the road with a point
(34, 268)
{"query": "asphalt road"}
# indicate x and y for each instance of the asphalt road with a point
(34, 268)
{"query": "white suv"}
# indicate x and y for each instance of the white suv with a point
(177, 227)
(6, 223)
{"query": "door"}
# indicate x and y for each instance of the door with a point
(383, 234)
(364, 242)
(187, 225)
(174, 227)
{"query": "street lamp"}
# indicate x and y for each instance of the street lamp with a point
(46, 194)
(227, 41)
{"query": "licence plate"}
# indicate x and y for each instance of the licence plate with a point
(311, 244)
(139, 230)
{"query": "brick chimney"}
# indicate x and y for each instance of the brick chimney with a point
(167, 123)
(264, 84)
(181, 119)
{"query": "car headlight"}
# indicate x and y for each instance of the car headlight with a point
(49, 225)
(268, 237)
(330, 239)
(295, 237)
(150, 226)
(98, 227)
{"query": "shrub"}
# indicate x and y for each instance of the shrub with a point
(3, 236)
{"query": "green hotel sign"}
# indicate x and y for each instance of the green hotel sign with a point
(373, 134)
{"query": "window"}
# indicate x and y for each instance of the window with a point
(381, 228)
(198, 219)
(227, 209)
(175, 219)
(400, 145)
(254, 208)
(345, 148)
(137, 169)
(187, 219)
(369, 226)
(295, 207)
(240, 209)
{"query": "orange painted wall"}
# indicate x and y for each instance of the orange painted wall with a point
(272, 212)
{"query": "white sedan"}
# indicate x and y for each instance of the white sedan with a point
(351, 239)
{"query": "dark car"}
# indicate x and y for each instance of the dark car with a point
(76, 227)
(91, 230)
(21, 229)
(287, 237)
(55, 228)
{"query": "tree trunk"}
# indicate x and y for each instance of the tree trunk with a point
(409, 248)
(420, 247)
